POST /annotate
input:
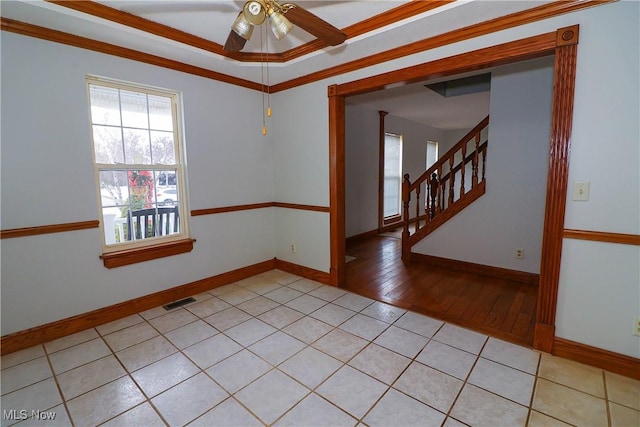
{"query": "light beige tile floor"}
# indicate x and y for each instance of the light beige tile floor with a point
(277, 349)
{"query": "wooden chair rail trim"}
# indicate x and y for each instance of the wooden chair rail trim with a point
(301, 207)
(235, 208)
(83, 225)
(485, 270)
(604, 359)
(48, 229)
(521, 18)
(147, 253)
(601, 236)
(60, 328)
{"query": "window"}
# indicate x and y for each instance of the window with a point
(138, 164)
(432, 153)
(392, 175)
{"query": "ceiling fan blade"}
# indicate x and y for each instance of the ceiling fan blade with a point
(234, 42)
(314, 25)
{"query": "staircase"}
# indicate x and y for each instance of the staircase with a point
(455, 181)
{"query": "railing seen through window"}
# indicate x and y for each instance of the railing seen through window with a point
(139, 163)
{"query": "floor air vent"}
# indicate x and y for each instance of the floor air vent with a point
(177, 304)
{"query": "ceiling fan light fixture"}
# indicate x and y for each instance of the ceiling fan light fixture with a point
(254, 11)
(279, 24)
(242, 27)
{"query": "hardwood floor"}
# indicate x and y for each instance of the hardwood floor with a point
(501, 308)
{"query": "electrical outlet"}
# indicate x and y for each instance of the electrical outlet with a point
(636, 326)
(519, 253)
(292, 248)
(581, 191)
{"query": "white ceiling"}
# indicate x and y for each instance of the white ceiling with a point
(211, 20)
(419, 104)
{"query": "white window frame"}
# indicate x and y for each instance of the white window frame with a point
(398, 137)
(179, 165)
(436, 146)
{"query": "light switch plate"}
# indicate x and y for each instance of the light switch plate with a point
(581, 191)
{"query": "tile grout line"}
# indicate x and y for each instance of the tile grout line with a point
(311, 391)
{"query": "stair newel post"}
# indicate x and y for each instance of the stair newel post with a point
(406, 197)
(434, 185)
(474, 180)
(452, 181)
(463, 166)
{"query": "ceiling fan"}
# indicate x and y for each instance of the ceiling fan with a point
(255, 12)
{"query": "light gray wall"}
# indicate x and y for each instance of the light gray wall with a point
(362, 148)
(602, 114)
(511, 213)
(47, 178)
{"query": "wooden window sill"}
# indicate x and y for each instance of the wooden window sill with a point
(134, 256)
(392, 220)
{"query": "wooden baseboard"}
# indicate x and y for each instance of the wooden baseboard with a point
(543, 337)
(306, 272)
(362, 236)
(604, 359)
(485, 270)
(60, 328)
(50, 331)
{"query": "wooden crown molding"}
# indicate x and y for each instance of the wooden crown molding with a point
(535, 14)
(538, 13)
(124, 18)
(110, 49)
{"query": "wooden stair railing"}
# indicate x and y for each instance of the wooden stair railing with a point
(438, 184)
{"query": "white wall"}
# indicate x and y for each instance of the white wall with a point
(599, 291)
(362, 154)
(511, 213)
(362, 158)
(601, 110)
(47, 178)
(301, 175)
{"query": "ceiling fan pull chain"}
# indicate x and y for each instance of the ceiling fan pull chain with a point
(264, 124)
(268, 79)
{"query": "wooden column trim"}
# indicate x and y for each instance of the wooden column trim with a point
(557, 181)
(381, 171)
(336, 186)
